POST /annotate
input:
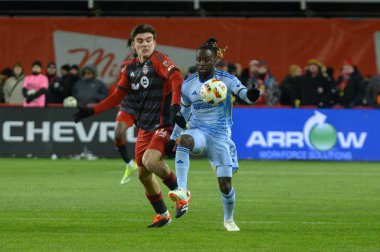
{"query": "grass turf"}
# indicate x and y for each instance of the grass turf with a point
(67, 205)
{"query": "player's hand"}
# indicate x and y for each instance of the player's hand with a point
(30, 98)
(253, 94)
(176, 116)
(82, 112)
(170, 148)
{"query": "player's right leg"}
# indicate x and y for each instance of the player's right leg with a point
(152, 189)
(190, 141)
(154, 195)
(123, 122)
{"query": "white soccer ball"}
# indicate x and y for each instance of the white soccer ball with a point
(213, 92)
(70, 102)
(31, 92)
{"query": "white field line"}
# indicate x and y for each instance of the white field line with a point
(145, 220)
(260, 173)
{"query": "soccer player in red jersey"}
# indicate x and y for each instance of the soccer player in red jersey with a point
(154, 84)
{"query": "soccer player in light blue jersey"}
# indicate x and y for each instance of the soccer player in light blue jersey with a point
(208, 131)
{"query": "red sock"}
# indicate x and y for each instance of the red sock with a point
(157, 202)
(171, 181)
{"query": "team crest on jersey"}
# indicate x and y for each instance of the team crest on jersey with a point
(145, 69)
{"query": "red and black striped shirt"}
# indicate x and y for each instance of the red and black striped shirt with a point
(151, 88)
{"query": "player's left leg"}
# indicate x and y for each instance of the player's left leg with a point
(221, 154)
(224, 174)
(123, 122)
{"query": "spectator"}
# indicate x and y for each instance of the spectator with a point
(89, 90)
(289, 86)
(249, 73)
(373, 92)
(190, 71)
(266, 83)
(220, 64)
(66, 81)
(313, 87)
(350, 85)
(54, 93)
(4, 75)
(74, 73)
(13, 86)
(35, 87)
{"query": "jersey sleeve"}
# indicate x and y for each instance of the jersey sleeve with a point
(122, 88)
(237, 88)
(185, 101)
(122, 82)
(163, 65)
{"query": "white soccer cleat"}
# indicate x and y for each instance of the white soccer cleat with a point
(230, 225)
(181, 199)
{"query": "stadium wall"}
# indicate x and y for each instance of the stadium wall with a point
(259, 133)
(281, 42)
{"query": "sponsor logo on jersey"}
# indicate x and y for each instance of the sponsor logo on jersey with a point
(145, 69)
(194, 93)
(170, 68)
(143, 82)
(161, 132)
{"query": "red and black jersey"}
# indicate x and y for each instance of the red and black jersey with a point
(151, 87)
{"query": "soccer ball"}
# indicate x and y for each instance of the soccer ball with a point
(70, 102)
(31, 92)
(213, 92)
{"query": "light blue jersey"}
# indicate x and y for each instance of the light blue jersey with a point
(213, 120)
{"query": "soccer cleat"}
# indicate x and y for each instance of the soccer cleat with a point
(230, 225)
(181, 199)
(130, 168)
(160, 221)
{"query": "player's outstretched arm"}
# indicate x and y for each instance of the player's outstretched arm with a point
(82, 112)
(175, 79)
(110, 102)
(171, 145)
(248, 95)
(253, 94)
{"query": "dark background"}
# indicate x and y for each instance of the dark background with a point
(189, 8)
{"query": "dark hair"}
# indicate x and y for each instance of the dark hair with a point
(142, 28)
(37, 63)
(212, 45)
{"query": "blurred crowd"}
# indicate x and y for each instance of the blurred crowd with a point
(43, 86)
(311, 85)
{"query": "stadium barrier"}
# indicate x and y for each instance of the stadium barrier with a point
(307, 134)
(48, 131)
(259, 133)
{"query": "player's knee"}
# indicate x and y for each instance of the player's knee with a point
(225, 185)
(119, 138)
(186, 141)
(144, 176)
(148, 162)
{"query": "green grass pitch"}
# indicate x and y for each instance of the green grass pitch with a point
(68, 205)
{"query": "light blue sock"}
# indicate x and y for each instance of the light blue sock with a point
(182, 163)
(228, 205)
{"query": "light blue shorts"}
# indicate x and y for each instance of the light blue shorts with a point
(221, 152)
